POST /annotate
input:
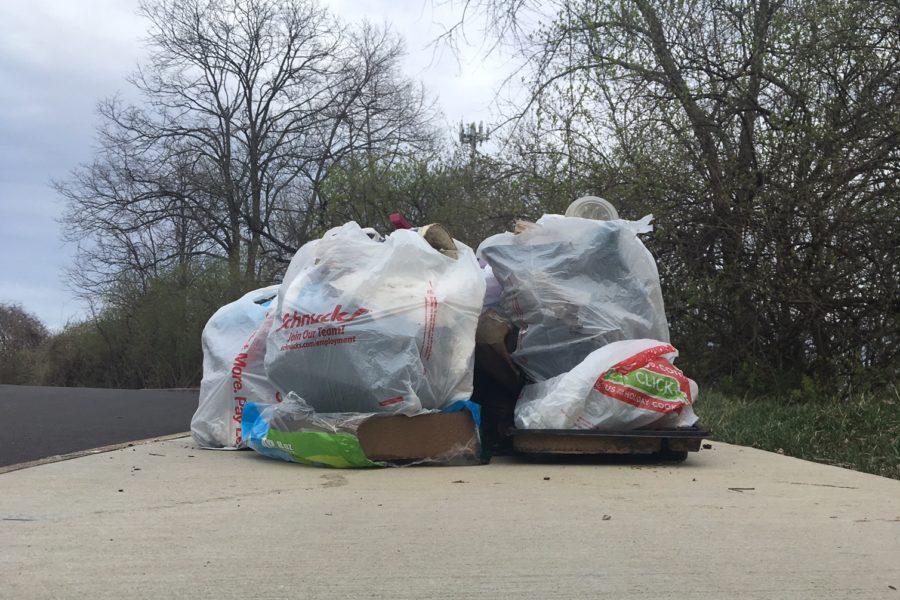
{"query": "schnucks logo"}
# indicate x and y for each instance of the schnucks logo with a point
(295, 319)
(647, 381)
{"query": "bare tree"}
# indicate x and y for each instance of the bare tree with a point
(21, 334)
(247, 104)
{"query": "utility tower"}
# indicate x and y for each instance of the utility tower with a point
(472, 137)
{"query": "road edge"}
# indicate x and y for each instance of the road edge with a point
(80, 453)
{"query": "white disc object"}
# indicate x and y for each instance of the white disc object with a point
(592, 207)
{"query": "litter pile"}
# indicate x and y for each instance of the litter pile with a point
(362, 328)
(389, 350)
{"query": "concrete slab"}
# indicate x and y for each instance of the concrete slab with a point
(165, 520)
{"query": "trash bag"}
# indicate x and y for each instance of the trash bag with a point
(573, 285)
(294, 432)
(234, 347)
(367, 325)
(625, 385)
(492, 291)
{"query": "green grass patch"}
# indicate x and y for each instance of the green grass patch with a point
(861, 432)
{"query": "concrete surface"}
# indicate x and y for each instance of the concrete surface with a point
(165, 520)
(45, 421)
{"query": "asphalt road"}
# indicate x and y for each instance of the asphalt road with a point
(38, 422)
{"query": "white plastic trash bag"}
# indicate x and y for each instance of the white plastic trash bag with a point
(573, 285)
(492, 290)
(625, 385)
(234, 348)
(366, 325)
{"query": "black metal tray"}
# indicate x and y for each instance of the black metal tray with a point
(664, 444)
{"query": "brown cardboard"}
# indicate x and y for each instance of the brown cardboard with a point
(497, 381)
(522, 226)
(440, 239)
(432, 437)
(493, 339)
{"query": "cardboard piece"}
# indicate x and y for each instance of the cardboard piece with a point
(494, 340)
(440, 239)
(498, 380)
(433, 437)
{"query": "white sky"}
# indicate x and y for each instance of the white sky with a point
(59, 57)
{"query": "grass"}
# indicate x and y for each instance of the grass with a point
(861, 432)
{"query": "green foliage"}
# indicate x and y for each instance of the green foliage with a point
(770, 163)
(859, 430)
(146, 335)
(21, 335)
(471, 198)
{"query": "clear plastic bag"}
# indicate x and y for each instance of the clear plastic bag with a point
(234, 347)
(292, 431)
(625, 385)
(368, 326)
(573, 285)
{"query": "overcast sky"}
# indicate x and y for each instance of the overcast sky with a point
(59, 57)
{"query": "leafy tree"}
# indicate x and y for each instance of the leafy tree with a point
(144, 336)
(763, 136)
(473, 199)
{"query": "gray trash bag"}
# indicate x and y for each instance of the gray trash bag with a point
(572, 286)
